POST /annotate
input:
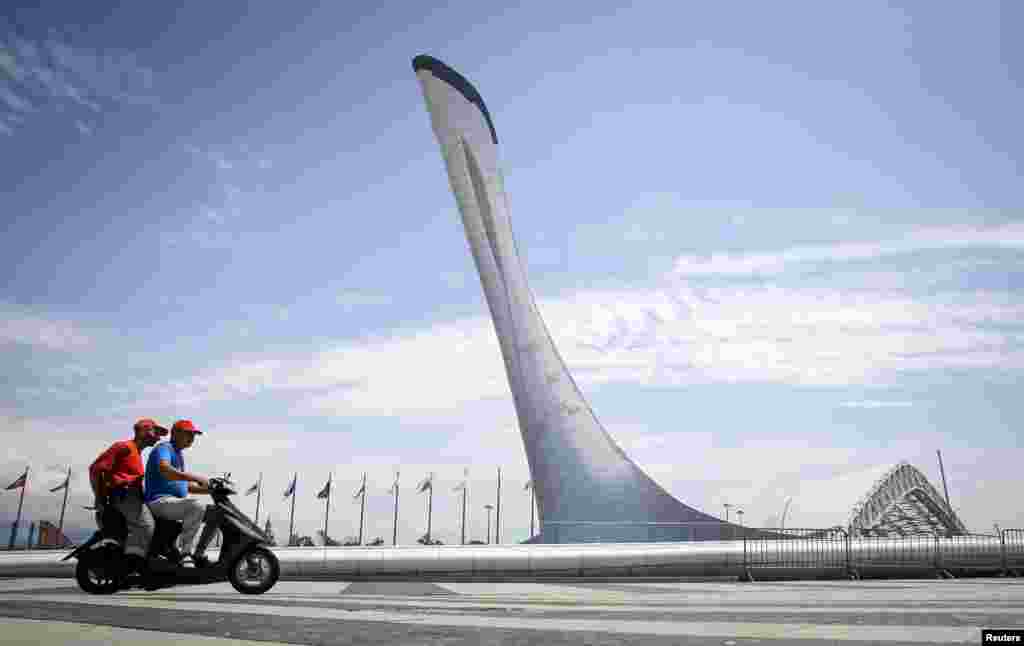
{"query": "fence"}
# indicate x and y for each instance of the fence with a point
(1013, 551)
(822, 550)
(833, 550)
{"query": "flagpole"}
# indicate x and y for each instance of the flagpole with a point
(17, 519)
(464, 487)
(327, 507)
(430, 505)
(362, 510)
(60, 526)
(497, 519)
(394, 537)
(259, 492)
(291, 522)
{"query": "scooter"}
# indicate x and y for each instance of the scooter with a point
(244, 559)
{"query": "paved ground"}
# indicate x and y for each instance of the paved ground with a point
(53, 611)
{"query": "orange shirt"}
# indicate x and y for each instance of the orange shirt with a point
(123, 464)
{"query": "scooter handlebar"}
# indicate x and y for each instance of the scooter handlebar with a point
(221, 486)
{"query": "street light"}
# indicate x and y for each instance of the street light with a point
(726, 505)
(739, 512)
(488, 507)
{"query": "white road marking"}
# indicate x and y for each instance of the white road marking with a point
(762, 630)
(30, 632)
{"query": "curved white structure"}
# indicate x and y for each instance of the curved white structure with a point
(587, 489)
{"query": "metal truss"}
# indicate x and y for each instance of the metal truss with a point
(904, 503)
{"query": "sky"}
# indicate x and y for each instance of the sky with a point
(781, 248)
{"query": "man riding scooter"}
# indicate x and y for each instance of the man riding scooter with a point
(116, 477)
(168, 485)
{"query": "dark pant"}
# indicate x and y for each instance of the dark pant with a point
(137, 517)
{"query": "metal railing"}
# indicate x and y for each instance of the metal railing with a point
(827, 551)
(1013, 551)
(796, 548)
(834, 549)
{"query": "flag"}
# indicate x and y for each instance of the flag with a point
(326, 491)
(63, 485)
(462, 485)
(394, 488)
(362, 490)
(252, 489)
(529, 485)
(428, 483)
(19, 483)
(291, 488)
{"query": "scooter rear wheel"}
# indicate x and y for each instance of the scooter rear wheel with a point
(96, 577)
(255, 571)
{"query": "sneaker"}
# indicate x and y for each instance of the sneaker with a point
(201, 560)
(174, 555)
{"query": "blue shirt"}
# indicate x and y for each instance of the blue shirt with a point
(157, 486)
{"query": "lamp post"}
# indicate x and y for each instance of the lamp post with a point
(497, 513)
(727, 505)
(462, 487)
(488, 507)
(739, 512)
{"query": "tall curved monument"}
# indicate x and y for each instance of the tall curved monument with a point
(587, 488)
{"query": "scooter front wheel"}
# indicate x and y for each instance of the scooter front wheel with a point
(96, 577)
(255, 571)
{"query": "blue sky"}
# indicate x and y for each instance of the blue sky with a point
(779, 246)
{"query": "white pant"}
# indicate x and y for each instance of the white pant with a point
(188, 511)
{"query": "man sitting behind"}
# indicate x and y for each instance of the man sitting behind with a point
(116, 479)
(168, 485)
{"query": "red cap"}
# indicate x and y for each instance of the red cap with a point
(186, 425)
(146, 424)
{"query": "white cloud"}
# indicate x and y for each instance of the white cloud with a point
(57, 73)
(217, 224)
(21, 326)
(15, 102)
(1006, 236)
(670, 336)
(872, 404)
